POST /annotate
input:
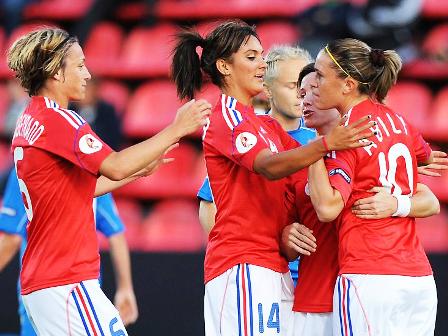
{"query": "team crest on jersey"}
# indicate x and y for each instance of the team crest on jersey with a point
(88, 144)
(245, 141)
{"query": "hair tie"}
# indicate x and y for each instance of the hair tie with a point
(377, 57)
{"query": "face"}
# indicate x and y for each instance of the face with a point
(283, 89)
(74, 75)
(329, 88)
(314, 117)
(246, 69)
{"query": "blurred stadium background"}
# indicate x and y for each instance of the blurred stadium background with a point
(127, 44)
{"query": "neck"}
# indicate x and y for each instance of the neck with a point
(288, 124)
(243, 98)
(60, 99)
(350, 102)
(325, 129)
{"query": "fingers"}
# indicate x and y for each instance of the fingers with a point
(379, 189)
(343, 120)
(427, 172)
(364, 203)
(167, 160)
(170, 148)
(301, 239)
(439, 154)
(437, 160)
(360, 121)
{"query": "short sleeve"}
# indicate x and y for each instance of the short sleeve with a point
(13, 218)
(69, 136)
(108, 222)
(240, 142)
(287, 140)
(421, 147)
(205, 192)
(341, 168)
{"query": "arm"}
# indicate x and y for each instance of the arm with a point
(125, 300)
(423, 204)
(278, 165)
(327, 201)
(207, 213)
(120, 165)
(9, 245)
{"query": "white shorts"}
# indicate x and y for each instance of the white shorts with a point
(74, 310)
(312, 324)
(248, 300)
(384, 305)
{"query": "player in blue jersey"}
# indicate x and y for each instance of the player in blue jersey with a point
(13, 222)
(284, 64)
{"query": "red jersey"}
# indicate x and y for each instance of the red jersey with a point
(383, 246)
(57, 157)
(251, 210)
(318, 271)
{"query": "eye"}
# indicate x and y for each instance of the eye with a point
(252, 58)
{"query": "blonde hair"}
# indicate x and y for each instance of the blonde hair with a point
(283, 53)
(39, 55)
(375, 70)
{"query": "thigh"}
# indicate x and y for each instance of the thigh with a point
(247, 299)
(313, 324)
(75, 309)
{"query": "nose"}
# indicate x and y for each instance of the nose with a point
(263, 63)
(88, 76)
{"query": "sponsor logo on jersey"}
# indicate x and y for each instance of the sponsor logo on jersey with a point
(245, 141)
(88, 144)
(341, 172)
(273, 147)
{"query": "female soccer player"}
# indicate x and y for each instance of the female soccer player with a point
(59, 159)
(246, 276)
(313, 296)
(385, 284)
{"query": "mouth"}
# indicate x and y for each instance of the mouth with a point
(259, 77)
(308, 113)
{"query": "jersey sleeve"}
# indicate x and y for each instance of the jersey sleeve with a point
(341, 168)
(288, 141)
(13, 217)
(70, 137)
(239, 141)
(205, 192)
(421, 147)
(108, 222)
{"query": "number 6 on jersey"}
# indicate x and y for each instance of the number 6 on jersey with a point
(18, 155)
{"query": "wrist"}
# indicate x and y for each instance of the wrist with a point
(175, 132)
(403, 206)
(325, 144)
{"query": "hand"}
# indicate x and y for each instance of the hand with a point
(439, 161)
(299, 238)
(380, 205)
(126, 305)
(350, 136)
(191, 116)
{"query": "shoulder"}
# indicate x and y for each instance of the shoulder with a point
(55, 113)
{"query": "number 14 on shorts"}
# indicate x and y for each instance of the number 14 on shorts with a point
(273, 320)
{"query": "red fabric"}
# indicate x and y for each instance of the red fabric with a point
(59, 169)
(385, 246)
(251, 209)
(317, 272)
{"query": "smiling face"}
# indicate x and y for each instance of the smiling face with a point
(315, 117)
(74, 74)
(329, 87)
(244, 72)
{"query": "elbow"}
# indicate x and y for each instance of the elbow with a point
(436, 207)
(269, 173)
(115, 174)
(325, 214)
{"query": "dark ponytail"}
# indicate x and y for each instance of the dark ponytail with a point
(221, 43)
(186, 66)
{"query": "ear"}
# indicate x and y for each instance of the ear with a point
(59, 76)
(267, 91)
(222, 67)
(350, 85)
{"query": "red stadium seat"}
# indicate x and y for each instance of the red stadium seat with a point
(426, 69)
(6, 161)
(438, 185)
(433, 232)
(146, 52)
(435, 8)
(173, 226)
(436, 42)
(103, 47)
(277, 32)
(57, 9)
(438, 122)
(151, 108)
(115, 93)
(415, 110)
(132, 216)
(175, 179)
